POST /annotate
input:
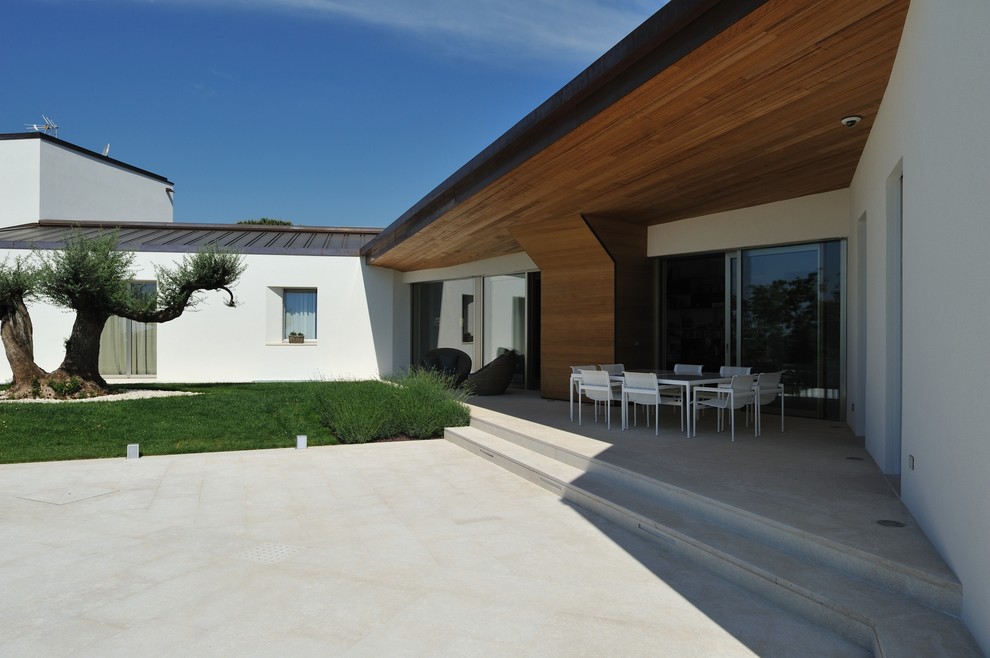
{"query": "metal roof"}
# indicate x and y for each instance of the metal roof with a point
(184, 238)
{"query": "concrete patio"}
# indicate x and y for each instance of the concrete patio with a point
(424, 549)
(396, 549)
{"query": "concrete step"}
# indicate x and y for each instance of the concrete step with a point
(925, 588)
(877, 618)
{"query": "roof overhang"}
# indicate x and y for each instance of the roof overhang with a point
(708, 106)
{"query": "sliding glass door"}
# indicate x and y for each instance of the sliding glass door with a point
(777, 308)
(505, 320)
(791, 320)
(482, 316)
(693, 309)
(443, 316)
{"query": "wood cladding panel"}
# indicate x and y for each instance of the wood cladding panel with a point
(577, 292)
(749, 118)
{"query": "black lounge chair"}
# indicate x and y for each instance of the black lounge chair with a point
(494, 378)
(449, 362)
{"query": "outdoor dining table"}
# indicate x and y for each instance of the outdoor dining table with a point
(670, 378)
(665, 378)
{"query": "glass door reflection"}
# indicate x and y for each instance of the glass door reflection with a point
(505, 320)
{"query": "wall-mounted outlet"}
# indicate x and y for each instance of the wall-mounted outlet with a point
(911, 462)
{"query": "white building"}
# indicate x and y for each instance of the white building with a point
(42, 177)
(634, 215)
(310, 280)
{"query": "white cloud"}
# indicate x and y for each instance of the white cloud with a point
(554, 29)
(562, 30)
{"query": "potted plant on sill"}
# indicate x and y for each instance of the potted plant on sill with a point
(296, 337)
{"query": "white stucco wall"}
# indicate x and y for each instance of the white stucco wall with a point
(20, 184)
(934, 119)
(213, 343)
(76, 186)
(44, 180)
(805, 219)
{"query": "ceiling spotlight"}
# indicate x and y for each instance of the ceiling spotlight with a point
(851, 121)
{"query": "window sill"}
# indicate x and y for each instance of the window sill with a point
(285, 343)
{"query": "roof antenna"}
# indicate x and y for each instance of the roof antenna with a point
(49, 127)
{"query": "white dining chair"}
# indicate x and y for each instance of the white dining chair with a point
(576, 380)
(675, 391)
(739, 394)
(597, 387)
(613, 369)
(768, 388)
(642, 389)
(729, 371)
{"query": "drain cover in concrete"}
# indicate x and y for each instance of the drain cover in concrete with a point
(66, 496)
(269, 553)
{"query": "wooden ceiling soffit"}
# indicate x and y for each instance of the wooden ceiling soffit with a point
(675, 30)
(561, 243)
(750, 118)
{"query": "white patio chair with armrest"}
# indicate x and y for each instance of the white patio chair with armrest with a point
(739, 394)
(597, 387)
(642, 388)
(576, 370)
(576, 384)
(729, 371)
(768, 387)
(681, 369)
(675, 391)
(613, 369)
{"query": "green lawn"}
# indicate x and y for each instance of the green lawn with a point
(224, 417)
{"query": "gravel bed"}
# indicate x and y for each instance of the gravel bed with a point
(113, 397)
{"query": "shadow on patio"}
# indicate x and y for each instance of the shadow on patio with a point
(810, 494)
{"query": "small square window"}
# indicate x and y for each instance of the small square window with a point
(299, 313)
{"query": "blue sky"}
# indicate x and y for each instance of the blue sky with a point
(322, 112)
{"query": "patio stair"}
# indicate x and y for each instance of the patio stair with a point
(889, 608)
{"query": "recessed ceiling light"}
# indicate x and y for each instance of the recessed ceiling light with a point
(851, 121)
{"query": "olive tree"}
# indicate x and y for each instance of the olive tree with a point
(18, 284)
(91, 277)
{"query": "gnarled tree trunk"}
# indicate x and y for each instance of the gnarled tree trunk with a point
(18, 342)
(82, 350)
(29, 379)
